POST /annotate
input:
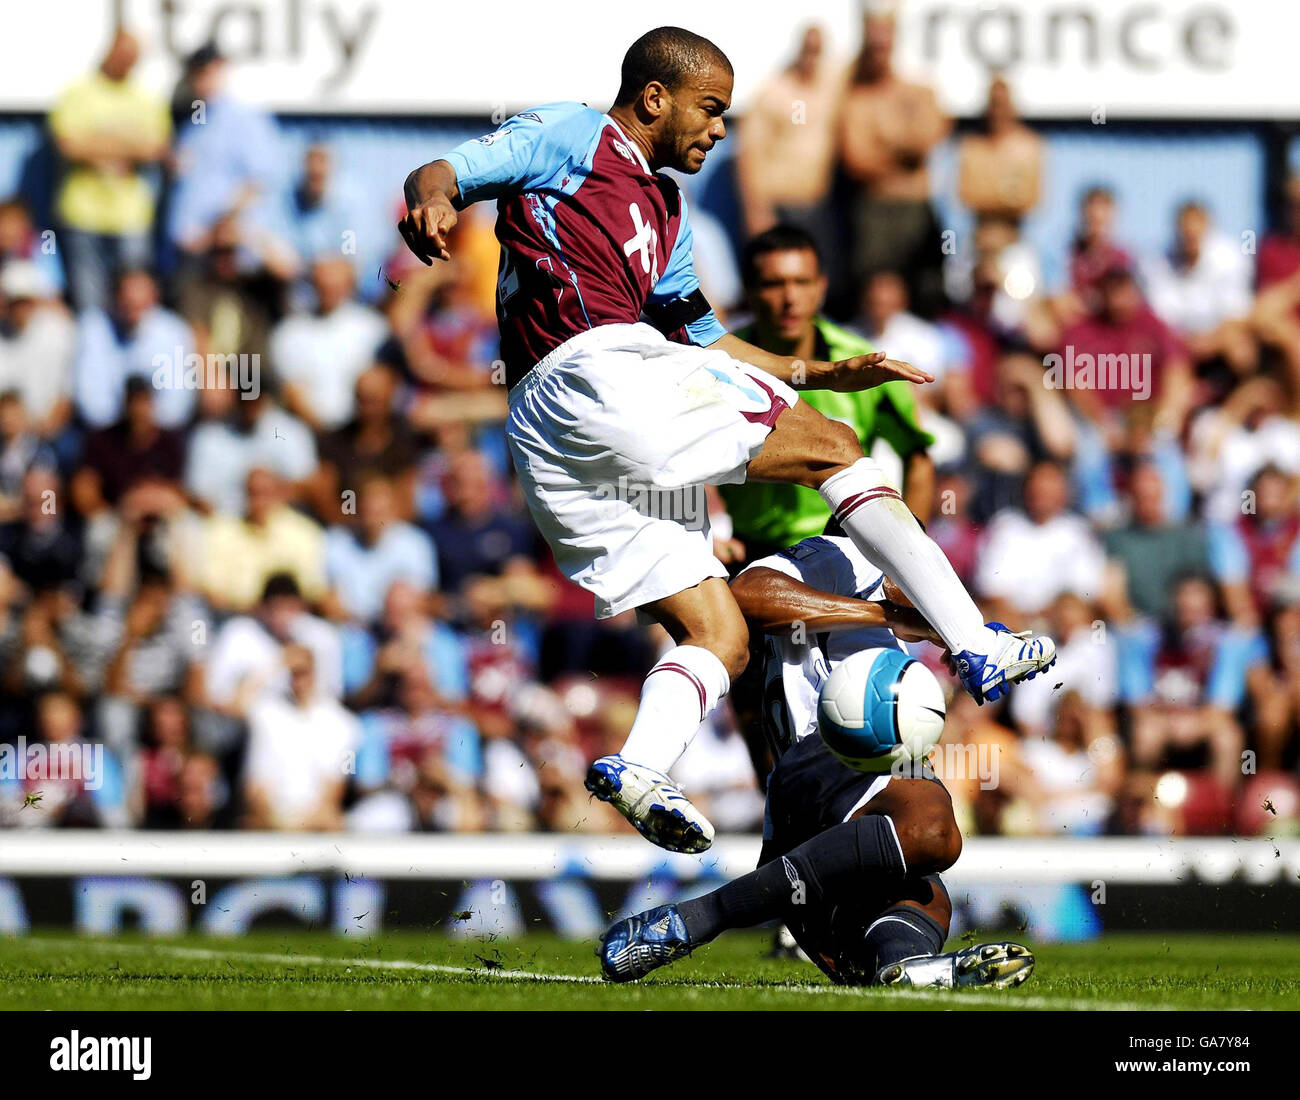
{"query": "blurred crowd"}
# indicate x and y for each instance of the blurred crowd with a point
(259, 537)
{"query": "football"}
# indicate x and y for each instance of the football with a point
(880, 707)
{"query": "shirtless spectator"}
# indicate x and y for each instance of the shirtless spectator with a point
(999, 179)
(1000, 167)
(786, 148)
(888, 127)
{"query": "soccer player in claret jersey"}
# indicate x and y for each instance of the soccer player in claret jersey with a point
(617, 423)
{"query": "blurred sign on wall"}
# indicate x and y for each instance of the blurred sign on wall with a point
(487, 885)
(1067, 58)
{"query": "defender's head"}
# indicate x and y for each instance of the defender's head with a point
(678, 84)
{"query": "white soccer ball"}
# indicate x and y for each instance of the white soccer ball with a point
(880, 707)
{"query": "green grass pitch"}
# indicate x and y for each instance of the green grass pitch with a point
(302, 970)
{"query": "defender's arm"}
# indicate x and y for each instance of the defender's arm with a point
(775, 603)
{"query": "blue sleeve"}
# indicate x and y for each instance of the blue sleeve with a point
(1093, 474)
(358, 656)
(448, 662)
(1234, 656)
(372, 760)
(680, 281)
(1178, 489)
(1135, 652)
(97, 378)
(424, 560)
(260, 144)
(111, 792)
(463, 751)
(1228, 558)
(528, 150)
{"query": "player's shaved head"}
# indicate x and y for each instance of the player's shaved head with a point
(676, 88)
(670, 55)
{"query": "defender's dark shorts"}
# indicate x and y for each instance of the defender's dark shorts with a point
(809, 792)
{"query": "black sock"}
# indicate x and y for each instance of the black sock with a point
(856, 850)
(902, 932)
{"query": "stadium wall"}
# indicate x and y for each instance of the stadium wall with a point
(103, 883)
(1132, 58)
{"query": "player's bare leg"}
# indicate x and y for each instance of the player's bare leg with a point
(806, 448)
(678, 694)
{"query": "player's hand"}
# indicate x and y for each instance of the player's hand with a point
(729, 551)
(864, 372)
(909, 625)
(425, 228)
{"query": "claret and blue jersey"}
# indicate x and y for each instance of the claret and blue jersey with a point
(589, 234)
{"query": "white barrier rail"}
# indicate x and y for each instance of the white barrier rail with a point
(991, 860)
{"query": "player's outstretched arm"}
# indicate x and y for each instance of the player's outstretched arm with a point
(431, 192)
(776, 603)
(861, 372)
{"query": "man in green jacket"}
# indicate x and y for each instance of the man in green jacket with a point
(785, 285)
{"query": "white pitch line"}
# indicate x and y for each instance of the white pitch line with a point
(1006, 1000)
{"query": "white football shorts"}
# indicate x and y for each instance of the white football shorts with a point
(614, 436)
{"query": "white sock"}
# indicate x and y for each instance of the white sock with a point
(678, 694)
(874, 516)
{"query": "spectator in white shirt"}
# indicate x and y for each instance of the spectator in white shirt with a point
(1075, 773)
(246, 663)
(1229, 444)
(234, 437)
(886, 321)
(1033, 555)
(1202, 289)
(37, 343)
(318, 355)
(300, 752)
(1085, 663)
